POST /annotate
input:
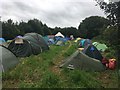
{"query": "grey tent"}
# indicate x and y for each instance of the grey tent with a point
(7, 59)
(60, 43)
(30, 43)
(78, 60)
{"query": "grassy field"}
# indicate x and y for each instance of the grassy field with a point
(42, 71)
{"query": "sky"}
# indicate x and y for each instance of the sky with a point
(60, 13)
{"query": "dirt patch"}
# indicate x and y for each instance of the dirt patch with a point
(58, 60)
(106, 79)
(11, 84)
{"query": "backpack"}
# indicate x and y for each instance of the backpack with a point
(112, 64)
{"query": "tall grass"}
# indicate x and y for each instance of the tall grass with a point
(35, 71)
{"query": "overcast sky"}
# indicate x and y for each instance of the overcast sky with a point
(61, 13)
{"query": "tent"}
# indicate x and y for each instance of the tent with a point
(46, 39)
(30, 43)
(51, 36)
(56, 39)
(59, 34)
(71, 37)
(7, 59)
(77, 39)
(78, 60)
(60, 43)
(9, 41)
(51, 41)
(85, 42)
(95, 43)
(92, 51)
(3, 42)
(67, 38)
(99, 46)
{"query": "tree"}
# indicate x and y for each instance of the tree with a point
(46, 30)
(56, 29)
(36, 26)
(110, 35)
(70, 31)
(92, 26)
(112, 10)
(9, 30)
(25, 28)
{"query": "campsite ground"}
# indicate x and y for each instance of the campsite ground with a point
(43, 71)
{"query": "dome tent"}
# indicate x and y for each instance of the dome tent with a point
(8, 59)
(30, 43)
(20, 49)
(77, 39)
(2, 40)
(85, 42)
(36, 41)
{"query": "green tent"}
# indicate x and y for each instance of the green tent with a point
(99, 46)
(46, 39)
(8, 59)
(30, 43)
(79, 60)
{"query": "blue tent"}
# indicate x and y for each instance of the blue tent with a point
(2, 40)
(57, 38)
(51, 41)
(82, 42)
(63, 39)
(67, 38)
(85, 42)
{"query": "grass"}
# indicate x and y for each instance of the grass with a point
(42, 71)
(81, 79)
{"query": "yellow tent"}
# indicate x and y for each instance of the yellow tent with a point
(77, 39)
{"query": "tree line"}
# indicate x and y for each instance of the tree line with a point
(88, 28)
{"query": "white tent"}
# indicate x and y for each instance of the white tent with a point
(59, 34)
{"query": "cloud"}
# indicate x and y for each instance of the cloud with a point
(61, 13)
